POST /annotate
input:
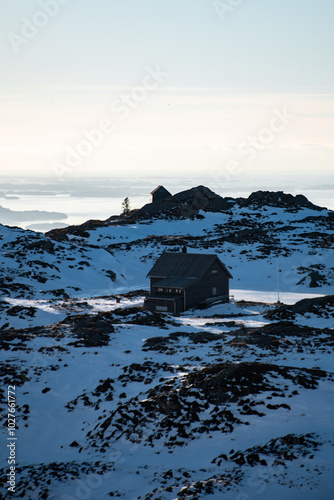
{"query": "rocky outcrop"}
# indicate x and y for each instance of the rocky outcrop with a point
(201, 401)
(319, 306)
(187, 205)
(278, 199)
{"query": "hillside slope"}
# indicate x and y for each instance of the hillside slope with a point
(231, 401)
(251, 236)
(218, 403)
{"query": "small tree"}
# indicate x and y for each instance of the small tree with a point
(126, 206)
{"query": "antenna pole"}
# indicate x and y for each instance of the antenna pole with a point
(277, 282)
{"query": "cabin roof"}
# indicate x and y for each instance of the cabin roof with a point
(184, 265)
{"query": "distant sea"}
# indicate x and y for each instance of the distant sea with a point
(100, 199)
(78, 210)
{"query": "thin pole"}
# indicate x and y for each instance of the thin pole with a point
(277, 282)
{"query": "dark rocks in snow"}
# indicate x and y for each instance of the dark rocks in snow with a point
(58, 292)
(92, 330)
(43, 245)
(22, 311)
(272, 335)
(143, 372)
(280, 451)
(228, 381)
(315, 279)
(163, 344)
(140, 316)
(201, 400)
(35, 480)
(14, 289)
(103, 392)
(112, 275)
(78, 231)
(13, 375)
(319, 306)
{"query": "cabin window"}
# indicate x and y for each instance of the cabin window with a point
(214, 271)
(214, 291)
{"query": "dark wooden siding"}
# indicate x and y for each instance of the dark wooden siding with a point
(160, 194)
(153, 281)
(202, 290)
(167, 291)
(152, 303)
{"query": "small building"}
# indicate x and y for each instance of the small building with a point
(160, 193)
(179, 281)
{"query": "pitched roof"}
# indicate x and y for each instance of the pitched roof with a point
(185, 265)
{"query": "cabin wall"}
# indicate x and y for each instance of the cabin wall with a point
(159, 195)
(153, 281)
(203, 289)
(162, 305)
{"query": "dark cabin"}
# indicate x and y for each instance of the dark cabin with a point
(179, 281)
(160, 193)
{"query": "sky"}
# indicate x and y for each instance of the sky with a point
(227, 89)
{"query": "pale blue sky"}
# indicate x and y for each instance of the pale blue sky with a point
(227, 77)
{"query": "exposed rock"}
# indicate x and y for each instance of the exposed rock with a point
(161, 343)
(42, 245)
(320, 306)
(200, 401)
(92, 330)
(316, 279)
(271, 335)
(278, 199)
(283, 449)
(187, 205)
(22, 311)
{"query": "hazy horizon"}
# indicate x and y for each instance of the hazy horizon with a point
(100, 198)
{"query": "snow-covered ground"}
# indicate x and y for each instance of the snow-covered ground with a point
(265, 249)
(70, 397)
(233, 401)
